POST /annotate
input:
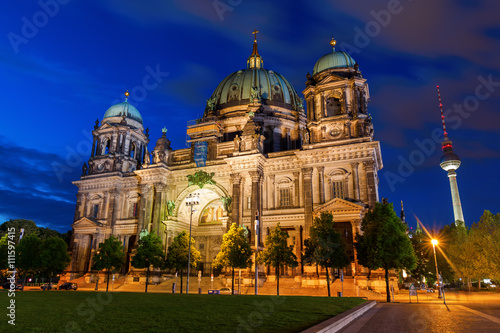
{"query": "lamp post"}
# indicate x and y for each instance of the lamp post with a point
(256, 252)
(191, 200)
(97, 275)
(434, 243)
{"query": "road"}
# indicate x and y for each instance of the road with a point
(463, 313)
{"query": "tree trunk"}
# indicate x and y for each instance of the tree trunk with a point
(317, 271)
(181, 280)
(232, 281)
(147, 277)
(387, 285)
(278, 280)
(24, 280)
(107, 282)
(328, 281)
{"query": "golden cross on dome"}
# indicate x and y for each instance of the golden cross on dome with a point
(255, 32)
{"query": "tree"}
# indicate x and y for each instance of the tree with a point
(109, 256)
(384, 242)
(28, 254)
(326, 247)
(54, 256)
(486, 239)
(4, 262)
(235, 251)
(149, 253)
(278, 253)
(177, 254)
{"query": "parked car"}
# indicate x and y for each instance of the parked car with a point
(47, 286)
(68, 286)
(227, 291)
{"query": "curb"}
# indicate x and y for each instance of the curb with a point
(336, 323)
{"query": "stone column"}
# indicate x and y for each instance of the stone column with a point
(103, 213)
(145, 207)
(296, 200)
(321, 182)
(355, 180)
(357, 268)
(276, 139)
(236, 201)
(159, 202)
(255, 175)
(370, 183)
(92, 153)
(79, 205)
(271, 193)
(308, 201)
(114, 205)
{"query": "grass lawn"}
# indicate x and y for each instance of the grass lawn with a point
(80, 311)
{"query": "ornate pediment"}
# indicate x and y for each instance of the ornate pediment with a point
(86, 223)
(341, 207)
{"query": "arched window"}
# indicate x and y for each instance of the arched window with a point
(338, 181)
(132, 151)
(106, 148)
(333, 107)
(284, 190)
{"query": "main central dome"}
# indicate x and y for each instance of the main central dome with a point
(243, 86)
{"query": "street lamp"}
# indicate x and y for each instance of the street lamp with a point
(191, 200)
(434, 243)
(97, 274)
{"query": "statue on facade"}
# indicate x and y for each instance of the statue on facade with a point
(237, 143)
(84, 169)
(96, 126)
(305, 136)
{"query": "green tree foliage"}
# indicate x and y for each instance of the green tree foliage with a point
(109, 256)
(149, 253)
(18, 224)
(235, 251)
(30, 227)
(278, 253)
(326, 247)
(384, 242)
(4, 263)
(54, 256)
(28, 254)
(177, 254)
(475, 252)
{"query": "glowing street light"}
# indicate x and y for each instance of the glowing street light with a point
(191, 200)
(434, 243)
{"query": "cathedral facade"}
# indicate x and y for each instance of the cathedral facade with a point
(265, 155)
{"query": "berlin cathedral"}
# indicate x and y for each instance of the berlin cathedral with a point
(267, 156)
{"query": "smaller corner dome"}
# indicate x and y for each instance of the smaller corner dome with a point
(334, 60)
(123, 108)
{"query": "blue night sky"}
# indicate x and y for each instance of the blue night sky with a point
(64, 63)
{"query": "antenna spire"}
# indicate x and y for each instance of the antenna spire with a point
(442, 115)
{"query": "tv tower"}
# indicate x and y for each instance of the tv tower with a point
(450, 163)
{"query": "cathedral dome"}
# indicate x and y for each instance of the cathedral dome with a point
(252, 84)
(240, 87)
(124, 108)
(334, 60)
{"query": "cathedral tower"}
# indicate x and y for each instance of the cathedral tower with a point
(450, 163)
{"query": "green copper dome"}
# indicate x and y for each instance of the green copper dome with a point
(333, 60)
(238, 87)
(124, 108)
